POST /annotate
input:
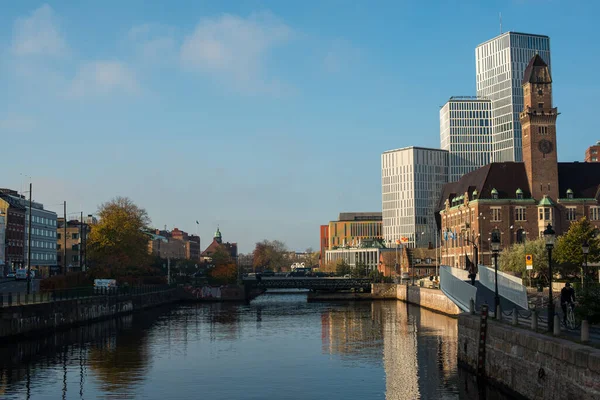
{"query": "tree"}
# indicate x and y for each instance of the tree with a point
(270, 255)
(512, 259)
(117, 245)
(330, 266)
(567, 249)
(224, 273)
(221, 256)
(311, 258)
(342, 268)
(360, 270)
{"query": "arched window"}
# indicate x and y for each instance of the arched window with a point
(521, 236)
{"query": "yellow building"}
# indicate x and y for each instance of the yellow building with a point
(351, 228)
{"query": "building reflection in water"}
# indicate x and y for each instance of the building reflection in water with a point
(418, 346)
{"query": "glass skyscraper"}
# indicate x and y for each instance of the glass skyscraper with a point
(500, 64)
(466, 132)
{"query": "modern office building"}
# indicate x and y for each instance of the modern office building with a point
(353, 227)
(411, 180)
(500, 64)
(369, 256)
(43, 232)
(592, 154)
(466, 132)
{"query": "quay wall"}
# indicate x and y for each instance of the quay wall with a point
(23, 320)
(432, 299)
(534, 365)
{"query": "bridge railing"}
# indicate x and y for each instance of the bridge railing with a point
(453, 284)
(510, 287)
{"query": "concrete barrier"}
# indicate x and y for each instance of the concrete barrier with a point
(432, 299)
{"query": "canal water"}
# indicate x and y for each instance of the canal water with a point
(277, 347)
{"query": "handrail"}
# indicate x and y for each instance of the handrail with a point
(509, 287)
(455, 288)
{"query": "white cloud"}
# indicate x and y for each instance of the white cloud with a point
(154, 43)
(340, 55)
(103, 77)
(234, 48)
(38, 34)
(16, 124)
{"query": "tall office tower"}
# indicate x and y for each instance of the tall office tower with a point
(500, 64)
(411, 184)
(466, 132)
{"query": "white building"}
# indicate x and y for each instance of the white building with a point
(500, 64)
(353, 255)
(411, 184)
(466, 132)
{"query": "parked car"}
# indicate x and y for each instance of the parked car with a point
(11, 275)
(347, 276)
(108, 284)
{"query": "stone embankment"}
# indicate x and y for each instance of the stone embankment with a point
(534, 365)
(23, 320)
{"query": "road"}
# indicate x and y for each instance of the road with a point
(13, 286)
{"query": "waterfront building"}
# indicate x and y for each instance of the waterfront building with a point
(13, 243)
(370, 256)
(412, 179)
(174, 244)
(500, 64)
(43, 232)
(217, 242)
(353, 227)
(77, 233)
(466, 133)
(323, 243)
(592, 154)
(520, 199)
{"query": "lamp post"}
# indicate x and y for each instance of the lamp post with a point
(495, 244)
(550, 237)
(585, 248)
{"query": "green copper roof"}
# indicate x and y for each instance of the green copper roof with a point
(218, 233)
(494, 191)
(519, 191)
(569, 191)
(546, 202)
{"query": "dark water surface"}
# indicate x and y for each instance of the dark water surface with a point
(277, 347)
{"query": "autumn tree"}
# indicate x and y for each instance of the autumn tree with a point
(567, 250)
(270, 255)
(221, 256)
(117, 244)
(342, 268)
(223, 273)
(329, 266)
(512, 259)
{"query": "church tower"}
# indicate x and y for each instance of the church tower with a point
(538, 121)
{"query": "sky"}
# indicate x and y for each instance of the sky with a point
(264, 118)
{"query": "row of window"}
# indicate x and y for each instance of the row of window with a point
(74, 236)
(43, 220)
(41, 232)
(43, 256)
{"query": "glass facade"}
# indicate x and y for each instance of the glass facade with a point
(500, 64)
(411, 184)
(466, 132)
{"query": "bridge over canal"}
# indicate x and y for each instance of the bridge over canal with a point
(326, 284)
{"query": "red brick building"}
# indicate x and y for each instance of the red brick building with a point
(323, 242)
(519, 198)
(592, 154)
(216, 243)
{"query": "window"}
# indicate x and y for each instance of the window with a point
(75, 236)
(58, 247)
(417, 261)
(58, 235)
(75, 258)
(520, 236)
(520, 214)
(496, 214)
(75, 247)
(545, 214)
(540, 105)
(595, 213)
(571, 213)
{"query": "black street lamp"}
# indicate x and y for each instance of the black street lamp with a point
(495, 244)
(550, 237)
(585, 248)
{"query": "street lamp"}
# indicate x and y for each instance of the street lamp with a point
(585, 248)
(550, 237)
(495, 244)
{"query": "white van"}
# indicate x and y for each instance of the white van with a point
(21, 274)
(100, 284)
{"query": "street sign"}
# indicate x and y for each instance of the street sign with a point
(529, 261)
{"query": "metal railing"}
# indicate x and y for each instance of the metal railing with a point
(509, 287)
(10, 299)
(452, 283)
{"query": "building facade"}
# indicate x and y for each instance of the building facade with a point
(14, 244)
(43, 233)
(466, 133)
(71, 243)
(520, 199)
(353, 227)
(412, 179)
(323, 243)
(500, 64)
(353, 255)
(217, 242)
(592, 154)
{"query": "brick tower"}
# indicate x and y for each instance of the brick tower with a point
(538, 121)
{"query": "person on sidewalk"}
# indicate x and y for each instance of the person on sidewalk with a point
(567, 296)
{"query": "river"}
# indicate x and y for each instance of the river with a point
(277, 347)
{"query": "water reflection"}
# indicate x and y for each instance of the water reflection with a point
(278, 346)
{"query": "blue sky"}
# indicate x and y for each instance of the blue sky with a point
(266, 118)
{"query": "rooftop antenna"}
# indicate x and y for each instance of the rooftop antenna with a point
(501, 23)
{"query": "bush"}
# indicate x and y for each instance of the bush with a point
(71, 280)
(588, 306)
